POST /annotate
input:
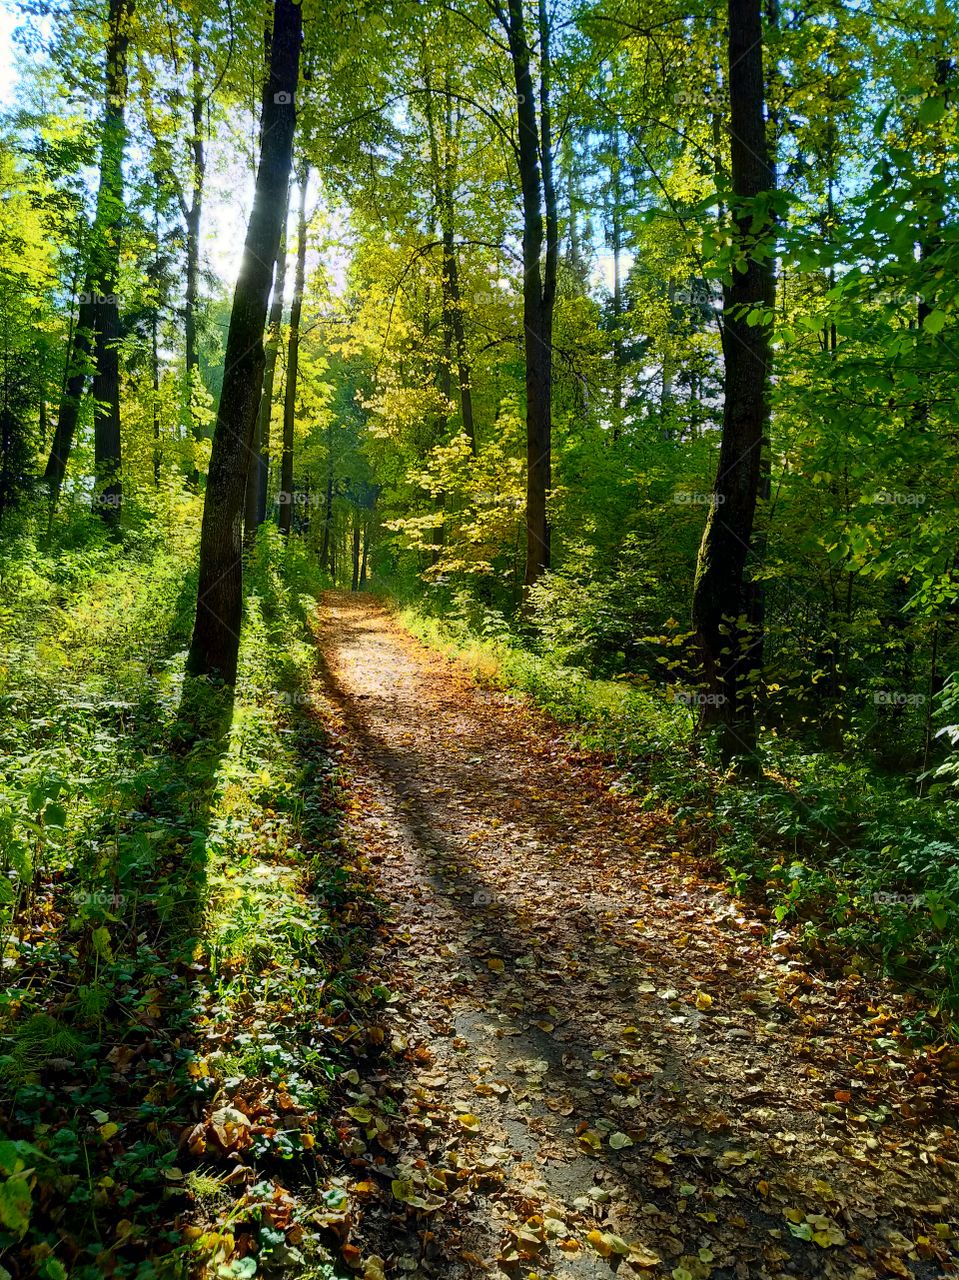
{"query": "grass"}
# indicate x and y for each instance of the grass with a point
(182, 930)
(863, 865)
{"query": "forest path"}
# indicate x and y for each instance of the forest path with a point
(599, 1065)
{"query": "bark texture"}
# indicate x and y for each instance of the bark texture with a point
(216, 636)
(729, 644)
(293, 365)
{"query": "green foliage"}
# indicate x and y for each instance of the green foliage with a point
(171, 882)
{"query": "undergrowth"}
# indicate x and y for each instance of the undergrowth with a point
(182, 937)
(864, 865)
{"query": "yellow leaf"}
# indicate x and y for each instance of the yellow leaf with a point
(606, 1244)
(403, 1190)
(597, 1241)
(642, 1257)
(108, 1130)
(496, 965)
(469, 1122)
(733, 1159)
(703, 1001)
(832, 1235)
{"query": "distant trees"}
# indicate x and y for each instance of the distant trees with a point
(293, 360)
(542, 296)
(95, 337)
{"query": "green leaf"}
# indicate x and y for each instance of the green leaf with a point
(15, 1205)
(51, 1269)
(935, 321)
(932, 109)
(54, 815)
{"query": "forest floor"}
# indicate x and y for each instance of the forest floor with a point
(596, 1060)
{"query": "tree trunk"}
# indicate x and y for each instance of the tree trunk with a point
(539, 279)
(453, 308)
(78, 366)
(155, 371)
(326, 551)
(293, 364)
(216, 636)
(192, 217)
(259, 477)
(106, 259)
(616, 229)
(366, 547)
(356, 548)
(721, 592)
(97, 315)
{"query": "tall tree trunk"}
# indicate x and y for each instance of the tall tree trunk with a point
(155, 371)
(539, 278)
(453, 308)
(444, 168)
(193, 217)
(71, 399)
(216, 636)
(721, 592)
(106, 261)
(616, 237)
(293, 363)
(356, 547)
(259, 477)
(366, 547)
(97, 312)
(326, 552)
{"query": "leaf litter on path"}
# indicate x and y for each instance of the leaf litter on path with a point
(598, 1065)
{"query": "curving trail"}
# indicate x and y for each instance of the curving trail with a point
(601, 1066)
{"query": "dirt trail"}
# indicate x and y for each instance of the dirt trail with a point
(597, 1051)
